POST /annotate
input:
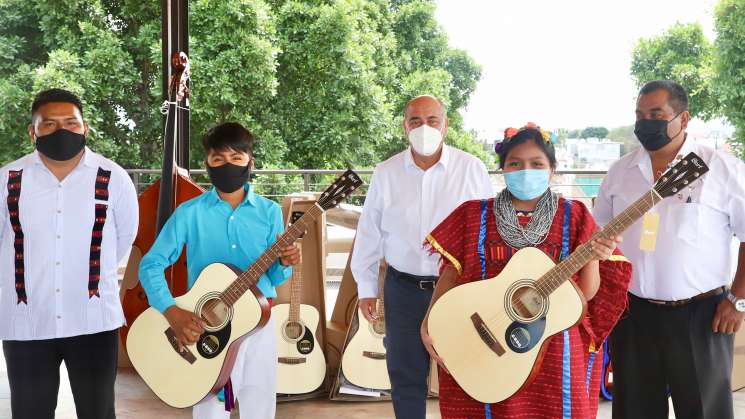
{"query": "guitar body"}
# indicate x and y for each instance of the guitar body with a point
(363, 362)
(301, 364)
(493, 371)
(183, 380)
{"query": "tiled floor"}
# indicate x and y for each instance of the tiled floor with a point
(136, 401)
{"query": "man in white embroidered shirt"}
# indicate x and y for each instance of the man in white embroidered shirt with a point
(677, 335)
(409, 195)
(68, 217)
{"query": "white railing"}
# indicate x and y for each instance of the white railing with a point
(575, 184)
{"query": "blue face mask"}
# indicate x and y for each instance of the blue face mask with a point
(527, 184)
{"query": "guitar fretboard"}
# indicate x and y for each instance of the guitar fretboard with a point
(550, 281)
(251, 276)
(296, 288)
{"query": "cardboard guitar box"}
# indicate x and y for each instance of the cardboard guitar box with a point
(313, 269)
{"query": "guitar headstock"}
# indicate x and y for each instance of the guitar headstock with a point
(686, 171)
(342, 187)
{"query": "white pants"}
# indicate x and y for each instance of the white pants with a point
(254, 378)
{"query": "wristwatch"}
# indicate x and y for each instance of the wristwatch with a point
(739, 303)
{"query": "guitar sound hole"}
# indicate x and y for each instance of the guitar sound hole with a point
(293, 330)
(527, 303)
(379, 326)
(215, 313)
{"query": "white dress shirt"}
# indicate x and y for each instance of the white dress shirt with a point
(405, 203)
(57, 220)
(693, 250)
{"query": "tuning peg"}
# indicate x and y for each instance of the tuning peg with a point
(685, 162)
(675, 189)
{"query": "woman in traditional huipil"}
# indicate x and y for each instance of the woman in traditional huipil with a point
(478, 239)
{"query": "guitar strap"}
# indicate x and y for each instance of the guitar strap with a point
(101, 193)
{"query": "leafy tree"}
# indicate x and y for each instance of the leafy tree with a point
(681, 53)
(594, 132)
(322, 83)
(729, 21)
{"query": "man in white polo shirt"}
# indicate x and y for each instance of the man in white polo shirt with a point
(409, 195)
(677, 335)
(67, 217)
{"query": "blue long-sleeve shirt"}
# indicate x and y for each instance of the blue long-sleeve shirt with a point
(214, 232)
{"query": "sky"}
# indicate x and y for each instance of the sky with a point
(562, 64)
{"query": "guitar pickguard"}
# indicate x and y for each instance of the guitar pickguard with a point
(306, 344)
(210, 344)
(522, 337)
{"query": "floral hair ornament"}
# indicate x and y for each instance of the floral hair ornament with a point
(509, 133)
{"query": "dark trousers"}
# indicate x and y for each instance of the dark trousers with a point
(658, 349)
(408, 362)
(33, 373)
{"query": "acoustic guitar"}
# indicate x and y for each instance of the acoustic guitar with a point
(364, 360)
(301, 365)
(490, 334)
(229, 301)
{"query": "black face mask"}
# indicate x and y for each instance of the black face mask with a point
(652, 133)
(229, 177)
(60, 145)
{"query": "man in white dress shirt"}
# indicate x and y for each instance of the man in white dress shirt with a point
(677, 335)
(68, 217)
(409, 195)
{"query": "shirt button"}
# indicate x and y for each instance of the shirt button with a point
(59, 237)
(57, 263)
(232, 218)
(57, 290)
(232, 246)
(59, 317)
(59, 185)
(59, 211)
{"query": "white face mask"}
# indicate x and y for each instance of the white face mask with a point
(425, 140)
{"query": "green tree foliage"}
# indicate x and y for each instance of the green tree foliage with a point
(684, 54)
(594, 132)
(321, 83)
(729, 20)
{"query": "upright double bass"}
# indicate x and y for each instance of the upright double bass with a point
(159, 200)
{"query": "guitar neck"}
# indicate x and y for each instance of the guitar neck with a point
(296, 288)
(584, 253)
(250, 277)
(380, 309)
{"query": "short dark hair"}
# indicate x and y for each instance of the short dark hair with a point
(55, 95)
(229, 136)
(525, 135)
(677, 95)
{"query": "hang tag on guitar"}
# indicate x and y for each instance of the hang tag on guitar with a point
(650, 225)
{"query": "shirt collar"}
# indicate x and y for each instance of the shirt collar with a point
(250, 198)
(444, 158)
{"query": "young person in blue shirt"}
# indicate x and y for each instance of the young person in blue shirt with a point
(228, 224)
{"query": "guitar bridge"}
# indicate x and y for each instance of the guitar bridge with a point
(486, 335)
(185, 353)
(291, 360)
(373, 355)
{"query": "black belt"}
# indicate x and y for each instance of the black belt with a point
(678, 303)
(422, 282)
